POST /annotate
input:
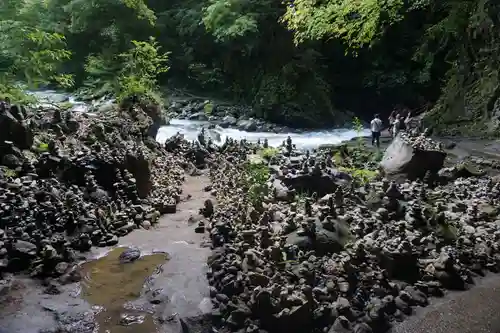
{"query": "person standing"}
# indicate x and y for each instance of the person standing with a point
(4, 104)
(392, 118)
(376, 127)
(396, 126)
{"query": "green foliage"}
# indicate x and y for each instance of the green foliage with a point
(357, 23)
(227, 19)
(268, 153)
(255, 178)
(39, 58)
(141, 66)
(358, 161)
(133, 72)
(15, 92)
(301, 63)
(31, 56)
(358, 128)
(362, 176)
(142, 10)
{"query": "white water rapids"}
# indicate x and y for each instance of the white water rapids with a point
(191, 128)
(306, 140)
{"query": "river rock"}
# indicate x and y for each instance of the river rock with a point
(158, 117)
(281, 192)
(201, 116)
(129, 255)
(228, 121)
(21, 254)
(248, 125)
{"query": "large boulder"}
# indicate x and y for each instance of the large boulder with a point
(16, 130)
(249, 125)
(412, 156)
(321, 183)
(228, 121)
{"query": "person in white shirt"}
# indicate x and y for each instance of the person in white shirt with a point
(396, 128)
(376, 128)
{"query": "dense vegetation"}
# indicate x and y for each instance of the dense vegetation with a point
(299, 62)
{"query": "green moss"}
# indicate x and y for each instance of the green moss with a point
(362, 176)
(42, 147)
(268, 153)
(208, 109)
(9, 172)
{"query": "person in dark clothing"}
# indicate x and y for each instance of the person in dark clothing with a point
(6, 104)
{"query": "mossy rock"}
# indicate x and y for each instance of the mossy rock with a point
(467, 169)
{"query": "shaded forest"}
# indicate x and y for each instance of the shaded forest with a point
(300, 63)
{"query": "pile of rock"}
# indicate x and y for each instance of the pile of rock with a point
(357, 259)
(413, 156)
(70, 181)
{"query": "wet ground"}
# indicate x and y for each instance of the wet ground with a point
(146, 295)
(113, 287)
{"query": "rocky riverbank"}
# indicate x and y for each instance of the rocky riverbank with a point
(325, 242)
(70, 181)
(302, 241)
(225, 115)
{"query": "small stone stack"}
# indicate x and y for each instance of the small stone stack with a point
(80, 181)
(359, 259)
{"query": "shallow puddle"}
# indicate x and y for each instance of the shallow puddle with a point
(111, 285)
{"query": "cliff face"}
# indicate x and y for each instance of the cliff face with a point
(470, 107)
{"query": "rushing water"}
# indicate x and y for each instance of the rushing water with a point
(47, 98)
(306, 140)
(190, 128)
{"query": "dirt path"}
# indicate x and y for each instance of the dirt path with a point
(183, 278)
(180, 284)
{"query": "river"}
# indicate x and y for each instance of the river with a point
(191, 128)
